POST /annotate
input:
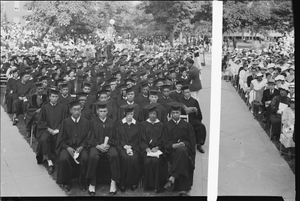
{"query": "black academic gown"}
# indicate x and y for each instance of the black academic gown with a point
(10, 88)
(142, 100)
(176, 96)
(50, 117)
(65, 102)
(87, 113)
(21, 90)
(182, 159)
(72, 135)
(138, 113)
(164, 101)
(91, 99)
(155, 170)
(100, 130)
(130, 165)
(35, 103)
(195, 119)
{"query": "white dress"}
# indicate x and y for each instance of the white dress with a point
(288, 121)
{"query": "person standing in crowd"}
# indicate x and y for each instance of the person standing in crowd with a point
(192, 109)
(71, 147)
(193, 79)
(10, 88)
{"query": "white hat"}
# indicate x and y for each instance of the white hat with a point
(279, 77)
(271, 65)
(259, 74)
(292, 85)
(284, 68)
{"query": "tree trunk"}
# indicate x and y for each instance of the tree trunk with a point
(171, 37)
(180, 37)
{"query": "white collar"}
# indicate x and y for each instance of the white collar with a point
(64, 96)
(124, 121)
(156, 121)
(130, 103)
(145, 96)
(53, 104)
(75, 120)
(186, 98)
(176, 122)
(103, 120)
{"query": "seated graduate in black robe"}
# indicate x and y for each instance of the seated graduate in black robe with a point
(161, 110)
(180, 144)
(114, 91)
(143, 98)
(155, 170)
(102, 98)
(121, 99)
(177, 93)
(85, 111)
(128, 134)
(36, 101)
(72, 139)
(10, 88)
(165, 98)
(192, 108)
(103, 145)
(21, 96)
(64, 97)
(91, 99)
(51, 116)
(138, 110)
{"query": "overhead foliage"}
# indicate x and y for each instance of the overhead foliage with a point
(256, 16)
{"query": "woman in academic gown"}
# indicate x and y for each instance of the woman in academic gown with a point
(128, 134)
(155, 170)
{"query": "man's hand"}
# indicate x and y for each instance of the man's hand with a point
(50, 130)
(38, 110)
(101, 148)
(71, 151)
(79, 149)
(175, 146)
(56, 131)
(20, 98)
(107, 147)
(129, 152)
(181, 144)
(148, 150)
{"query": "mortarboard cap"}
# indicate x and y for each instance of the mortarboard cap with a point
(129, 80)
(101, 105)
(153, 92)
(122, 86)
(64, 85)
(53, 91)
(39, 84)
(128, 90)
(74, 103)
(151, 107)
(80, 94)
(144, 83)
(87, 84)
(185, 87)
(165, 86)
(129, 108)
(43, 78)
(103, 91)
(175, 105)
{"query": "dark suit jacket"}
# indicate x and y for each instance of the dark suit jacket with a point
(267, 96)
(194, 77)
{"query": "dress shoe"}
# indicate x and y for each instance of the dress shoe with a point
(199, 148)
(67, 188)
(183, 193)
(51, 169)
(112, 193)
(15, 121)
(134, 187)
(122, 189)
(169, 186)
(91, 193)
(28, 134)
(82, 186)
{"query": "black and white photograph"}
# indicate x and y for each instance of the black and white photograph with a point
(147, 99)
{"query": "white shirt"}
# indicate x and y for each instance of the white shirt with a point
(132, 122)
(53, 104)
(176, 122)
(103, 120)
(156, 121)
(130, 103)
(75, 120)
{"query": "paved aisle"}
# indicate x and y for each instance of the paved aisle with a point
(249, 163)
(20, 174)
